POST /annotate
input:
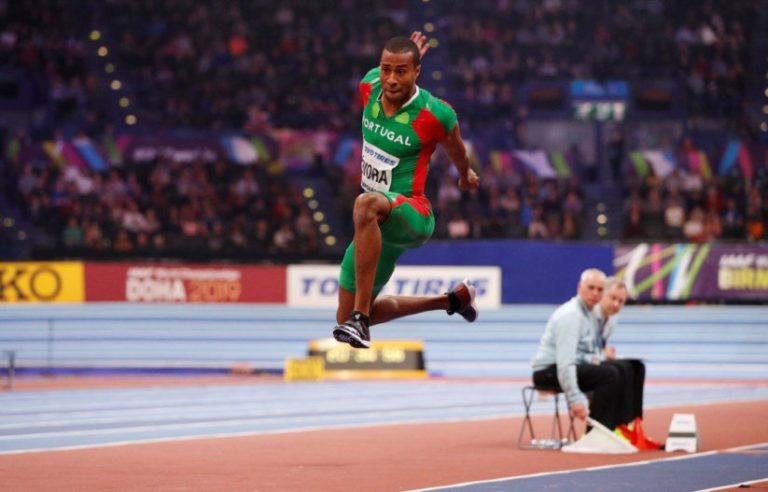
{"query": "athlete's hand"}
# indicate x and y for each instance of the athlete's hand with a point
(421, 42)
(470, 182)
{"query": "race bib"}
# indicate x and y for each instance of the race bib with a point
(377, 168)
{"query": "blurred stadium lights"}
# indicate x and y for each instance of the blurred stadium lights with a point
(429, 27)
(116, 85)
(131, 119)
(124, 102)
(437, 75)
(109, 68)
(434, 43)
(102, 51)
(309, 194)
(95, 35)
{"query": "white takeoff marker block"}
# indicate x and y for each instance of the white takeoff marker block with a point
(683, 435)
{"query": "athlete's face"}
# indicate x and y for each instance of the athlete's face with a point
(398, 76)
(613, 299)
(591, 290)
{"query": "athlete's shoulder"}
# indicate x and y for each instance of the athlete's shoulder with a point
(372, 77)
(440, 108)
(367, 84)
(432, 100)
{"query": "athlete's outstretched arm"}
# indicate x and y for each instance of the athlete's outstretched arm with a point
(457, 151)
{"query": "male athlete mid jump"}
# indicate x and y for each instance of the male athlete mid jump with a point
(402, 126)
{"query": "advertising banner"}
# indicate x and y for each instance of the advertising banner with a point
(41, 282)
(178, 149)
(318, 285)
(707, 272)
(532, 272)
(118, 282)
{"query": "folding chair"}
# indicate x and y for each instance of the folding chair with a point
(556, 438)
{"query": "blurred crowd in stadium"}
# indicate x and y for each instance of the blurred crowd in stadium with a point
(496, 46)
(168, 207)
(256, 66)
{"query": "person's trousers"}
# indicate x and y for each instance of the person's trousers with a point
(632, 372)
(604, 381)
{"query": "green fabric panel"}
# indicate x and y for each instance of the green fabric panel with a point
(261, 149)
(641, 166)
(558, 161)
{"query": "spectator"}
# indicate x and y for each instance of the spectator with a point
(634, 228)
(72, 237)
(653, 209)
(695, 229)
(616, 151)
(458, 227)
(733, 220)
(123, 243)
(537, 229)
(674, 218)
(283, 239)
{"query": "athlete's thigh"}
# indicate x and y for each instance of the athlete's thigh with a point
(410, 223)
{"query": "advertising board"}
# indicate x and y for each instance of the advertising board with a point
(22, 282)
(184, 283)
(317, 285)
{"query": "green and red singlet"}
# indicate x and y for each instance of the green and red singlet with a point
(397, 148)
(395, 162)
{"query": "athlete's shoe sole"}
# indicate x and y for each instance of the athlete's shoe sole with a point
(466, 292)
(348, 334)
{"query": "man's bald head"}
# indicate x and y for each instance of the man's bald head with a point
(591, 286)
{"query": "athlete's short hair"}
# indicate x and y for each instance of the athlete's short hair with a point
(402, 44)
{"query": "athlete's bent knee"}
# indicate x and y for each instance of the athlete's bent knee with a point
(370, 206)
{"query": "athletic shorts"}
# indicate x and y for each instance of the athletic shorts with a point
(409, 225)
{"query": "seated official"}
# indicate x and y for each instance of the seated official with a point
(631, 371)
(569, 358)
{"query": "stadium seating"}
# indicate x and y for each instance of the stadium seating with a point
(244, 77)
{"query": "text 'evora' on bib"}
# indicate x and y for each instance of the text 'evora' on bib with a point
(377, 168)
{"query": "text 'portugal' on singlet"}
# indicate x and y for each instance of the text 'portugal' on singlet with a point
(397, 148)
